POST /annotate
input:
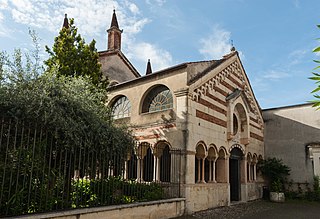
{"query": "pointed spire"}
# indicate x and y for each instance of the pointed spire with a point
(114, 21)
(232, 47)
(65, 22)
(114, 34)
(149, 70)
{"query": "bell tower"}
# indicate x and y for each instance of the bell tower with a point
(114, 34)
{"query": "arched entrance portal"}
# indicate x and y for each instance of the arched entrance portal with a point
(234, 174)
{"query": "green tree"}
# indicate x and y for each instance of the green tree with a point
(72, 111)
(71, 56)
(316, 78)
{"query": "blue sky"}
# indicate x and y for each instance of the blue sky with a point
(275, 38)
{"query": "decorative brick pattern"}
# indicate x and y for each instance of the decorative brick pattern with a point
(236, 82)
(219, 79)
(254, 135)
(212, 106)
(223, 102)
(224, 83)
(257, 127)
(211, 119)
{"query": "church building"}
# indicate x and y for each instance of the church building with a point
(197, 125)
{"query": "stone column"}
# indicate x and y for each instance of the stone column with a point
(125, 173)
(254, 172)
(202, 177)
(249, 171)
(210, 170)
(214, 170)
(154, 168)
(138, 169)
(199, 171)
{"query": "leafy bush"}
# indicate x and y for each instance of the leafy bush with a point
(111, 191)
(275, 171)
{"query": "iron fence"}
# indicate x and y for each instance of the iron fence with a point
(36, 175)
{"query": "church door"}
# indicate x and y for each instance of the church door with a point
(234, 174)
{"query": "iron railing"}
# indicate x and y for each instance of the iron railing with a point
(36, 175)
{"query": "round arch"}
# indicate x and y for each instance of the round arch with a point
(120, 107)
(201, 150)
(156, 98)
(212, 152)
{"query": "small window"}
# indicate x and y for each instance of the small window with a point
(158, 99)
(235, 124)
(121, 108)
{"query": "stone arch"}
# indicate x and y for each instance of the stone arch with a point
(156, 98)
(200, 160)
(211, 161)
(113, 83)
(243, 122)
(145, 162)
(254, 166)
(162, 161)
(221, 166)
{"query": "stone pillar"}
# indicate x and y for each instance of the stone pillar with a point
(226, 175)
(214, 170)
(249, 171)
(202, 174)
(125, 174)
(244, 169)
(210, 170)
(158, 169)
(139, 169)
(254, 172)
(199, 171)
(154, 168)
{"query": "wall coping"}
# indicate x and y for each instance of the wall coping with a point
(97, 209)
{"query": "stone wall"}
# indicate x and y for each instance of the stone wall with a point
(207, 195)
(149, 210)
(288, 132)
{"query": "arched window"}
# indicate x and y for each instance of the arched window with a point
(158, 99)
(235, 124)
(121, 108)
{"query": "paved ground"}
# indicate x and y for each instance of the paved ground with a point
(262, 210)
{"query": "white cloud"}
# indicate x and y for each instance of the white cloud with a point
(217, 44)
(296, 3)
(158, 2)
(275, 75)
(132, 7)
(140, 52)
(3, 4)
(92, 18)
(296, 56)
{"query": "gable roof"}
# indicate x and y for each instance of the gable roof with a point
(123, 58)
(209, 66)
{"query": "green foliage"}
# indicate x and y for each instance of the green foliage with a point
(275, 171)
(71, 113)
(71, 56)
(20, 67)
(115, 191)
(316, 78)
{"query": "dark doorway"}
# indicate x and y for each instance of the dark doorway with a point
(148, 164)
(234, 174)
(165, 165)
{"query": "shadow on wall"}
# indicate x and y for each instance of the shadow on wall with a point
(288, 139)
